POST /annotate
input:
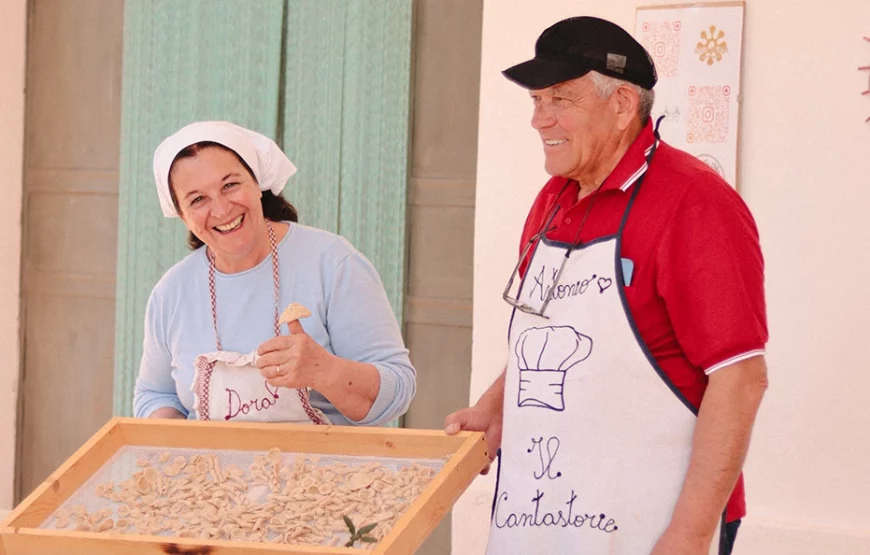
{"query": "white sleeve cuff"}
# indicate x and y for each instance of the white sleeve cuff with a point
(734, 360)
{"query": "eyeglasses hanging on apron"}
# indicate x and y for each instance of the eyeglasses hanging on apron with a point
(513, 300)
(228, 386)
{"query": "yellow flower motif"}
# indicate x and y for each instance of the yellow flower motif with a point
(712, 46)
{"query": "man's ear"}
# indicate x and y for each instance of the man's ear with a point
(627, 100)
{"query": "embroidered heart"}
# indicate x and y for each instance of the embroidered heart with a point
(604, 284)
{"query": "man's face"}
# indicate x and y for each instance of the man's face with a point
(576, 127)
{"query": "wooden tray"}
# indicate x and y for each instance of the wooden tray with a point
(20, 533)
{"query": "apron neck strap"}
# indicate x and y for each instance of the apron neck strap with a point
(273, 246)
(636, 187)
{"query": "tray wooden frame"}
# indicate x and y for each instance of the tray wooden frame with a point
(20, 533)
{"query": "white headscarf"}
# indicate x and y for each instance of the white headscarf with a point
(270, 165)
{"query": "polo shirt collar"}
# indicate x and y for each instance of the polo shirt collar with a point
(633, 163)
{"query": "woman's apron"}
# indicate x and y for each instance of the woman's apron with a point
(228, 385)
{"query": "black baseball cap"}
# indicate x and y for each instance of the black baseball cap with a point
(573, 47)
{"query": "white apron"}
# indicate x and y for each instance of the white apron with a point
(228, 386)
(596, 440)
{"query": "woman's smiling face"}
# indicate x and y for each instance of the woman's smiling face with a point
(219, 201)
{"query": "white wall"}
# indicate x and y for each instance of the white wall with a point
(13, 24)
(805, 171)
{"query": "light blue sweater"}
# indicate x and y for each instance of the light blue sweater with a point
(350, 316)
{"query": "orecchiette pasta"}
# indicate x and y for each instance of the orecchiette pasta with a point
(300, 503)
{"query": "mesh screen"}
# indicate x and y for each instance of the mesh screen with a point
(295, 498)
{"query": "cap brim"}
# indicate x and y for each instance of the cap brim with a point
(540, 73)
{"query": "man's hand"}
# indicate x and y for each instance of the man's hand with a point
(485, 416)
(477, 419)
(674, 542)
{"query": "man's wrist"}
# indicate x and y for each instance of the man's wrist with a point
(694, 528)
(492, 399)
(492, 404)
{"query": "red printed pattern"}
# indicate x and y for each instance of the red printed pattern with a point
(662, 40)
(709, 114)
(201, 382)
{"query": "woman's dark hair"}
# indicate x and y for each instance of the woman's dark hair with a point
(275, 207)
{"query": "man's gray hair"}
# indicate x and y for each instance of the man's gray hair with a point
(605, 85)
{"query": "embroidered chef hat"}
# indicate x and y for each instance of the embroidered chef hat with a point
(270, 165)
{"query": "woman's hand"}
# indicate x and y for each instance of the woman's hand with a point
(167, 412)
(295, 360)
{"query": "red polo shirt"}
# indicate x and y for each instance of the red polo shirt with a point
(697, 293)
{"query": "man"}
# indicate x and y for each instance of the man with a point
(636, 362)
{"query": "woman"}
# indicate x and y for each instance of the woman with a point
(213, 317)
